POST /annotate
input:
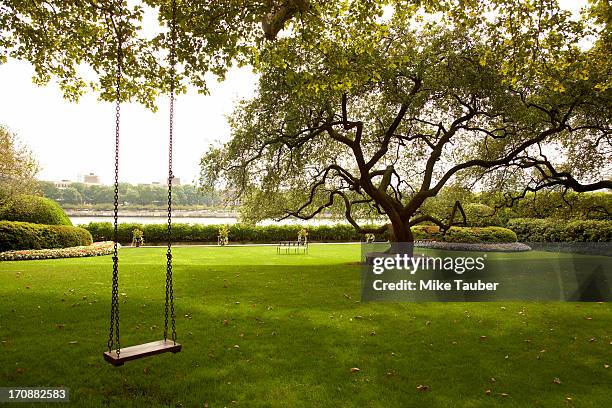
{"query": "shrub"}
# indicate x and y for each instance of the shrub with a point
(34, 209)
(468, 235)
(555, 230)
(16, 235)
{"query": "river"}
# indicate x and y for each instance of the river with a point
(80, 220)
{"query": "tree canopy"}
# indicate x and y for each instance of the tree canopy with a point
(75, 42)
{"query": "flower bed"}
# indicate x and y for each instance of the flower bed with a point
(95, 249)
(480, 247)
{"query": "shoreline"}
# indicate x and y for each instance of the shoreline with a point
(153, 213)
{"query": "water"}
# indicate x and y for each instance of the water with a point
(199, 220)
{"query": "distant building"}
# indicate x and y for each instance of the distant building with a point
(62, 184)
(91, 178)
(176, 181)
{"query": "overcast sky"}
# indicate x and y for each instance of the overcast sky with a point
(70, 139)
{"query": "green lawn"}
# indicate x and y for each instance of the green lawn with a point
(260, 329)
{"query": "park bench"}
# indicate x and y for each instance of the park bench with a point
(295, 247)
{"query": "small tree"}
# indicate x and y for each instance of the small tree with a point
(223, 238)
(18, 167)
(137, 237)
(303, 235)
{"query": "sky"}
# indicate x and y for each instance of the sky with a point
(72, 139)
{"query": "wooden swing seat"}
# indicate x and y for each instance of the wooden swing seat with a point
(140, 351)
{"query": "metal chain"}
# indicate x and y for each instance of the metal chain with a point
(169, 287)
(114, 320)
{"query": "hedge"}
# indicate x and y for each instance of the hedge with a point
(16, 235)
(555, 230)
(469, 235)
(155, 233)
(34, 209)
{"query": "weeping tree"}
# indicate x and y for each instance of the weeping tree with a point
(376, 117)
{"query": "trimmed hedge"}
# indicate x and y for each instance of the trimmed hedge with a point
(555, 230)
(102, 231)
(34, 209)
(16, 235)
(468, 235)
(273, 233)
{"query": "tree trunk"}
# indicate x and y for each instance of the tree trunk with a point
(401, 239)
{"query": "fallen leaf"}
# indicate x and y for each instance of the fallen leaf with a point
(588, 318)
(355, 370)
(568, 398)
(73, 342)
(488, 392)
(504, 394)
(422, 388)
(606, 365)
(236, 346)
(493, 379)
(592, 339)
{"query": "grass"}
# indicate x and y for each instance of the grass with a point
(266, 330)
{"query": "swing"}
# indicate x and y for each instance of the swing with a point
(119, 356)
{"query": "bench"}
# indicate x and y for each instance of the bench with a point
(295, 247)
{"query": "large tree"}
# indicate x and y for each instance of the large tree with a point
(379, 115)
